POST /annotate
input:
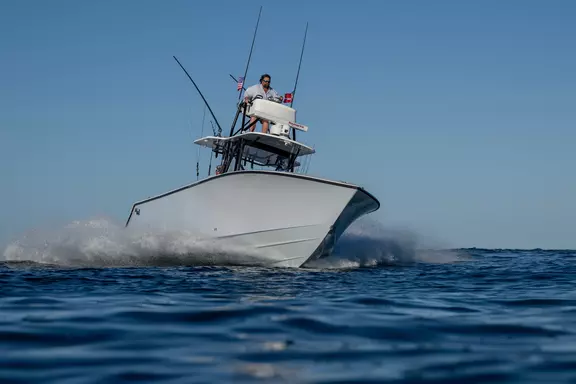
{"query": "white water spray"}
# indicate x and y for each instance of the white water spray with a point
(368, 243)
(102, 243)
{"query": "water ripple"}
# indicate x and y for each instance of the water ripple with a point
(506, 317)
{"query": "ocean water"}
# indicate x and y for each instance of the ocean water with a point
(92, 303)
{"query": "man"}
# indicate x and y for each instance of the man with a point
(263, 91)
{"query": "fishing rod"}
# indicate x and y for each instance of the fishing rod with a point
(297, 76)
(250, 55)
(201, 95)
(227, 159)
(243, 79)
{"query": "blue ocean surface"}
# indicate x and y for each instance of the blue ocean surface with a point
(89, 304)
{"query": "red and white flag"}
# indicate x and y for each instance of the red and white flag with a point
(287, 98)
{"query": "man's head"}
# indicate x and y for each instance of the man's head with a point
(265, 80)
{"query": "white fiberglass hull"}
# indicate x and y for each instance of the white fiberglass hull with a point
(284, 218)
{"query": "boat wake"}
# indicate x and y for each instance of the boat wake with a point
(103, 243)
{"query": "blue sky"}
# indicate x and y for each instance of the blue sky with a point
(459, 116)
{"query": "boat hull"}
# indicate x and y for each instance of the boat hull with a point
(284, 219)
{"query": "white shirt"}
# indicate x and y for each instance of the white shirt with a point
(258, 90)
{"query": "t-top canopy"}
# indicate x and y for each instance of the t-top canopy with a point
(260, 148)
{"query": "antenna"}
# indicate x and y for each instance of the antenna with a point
(201, 95)
(297, 76)
(250, 55)
(299, 64)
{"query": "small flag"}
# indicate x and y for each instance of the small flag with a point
(240, 83)
(287, 98)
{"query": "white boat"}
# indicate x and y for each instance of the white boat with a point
(278, 212)
(292, 217)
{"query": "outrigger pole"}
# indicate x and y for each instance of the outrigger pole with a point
(201, 95)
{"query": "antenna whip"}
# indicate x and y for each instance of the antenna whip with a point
(299, 65)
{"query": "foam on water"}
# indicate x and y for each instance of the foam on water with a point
(103, 243)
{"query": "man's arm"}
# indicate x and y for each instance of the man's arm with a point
(276, 94)
(249, 94)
